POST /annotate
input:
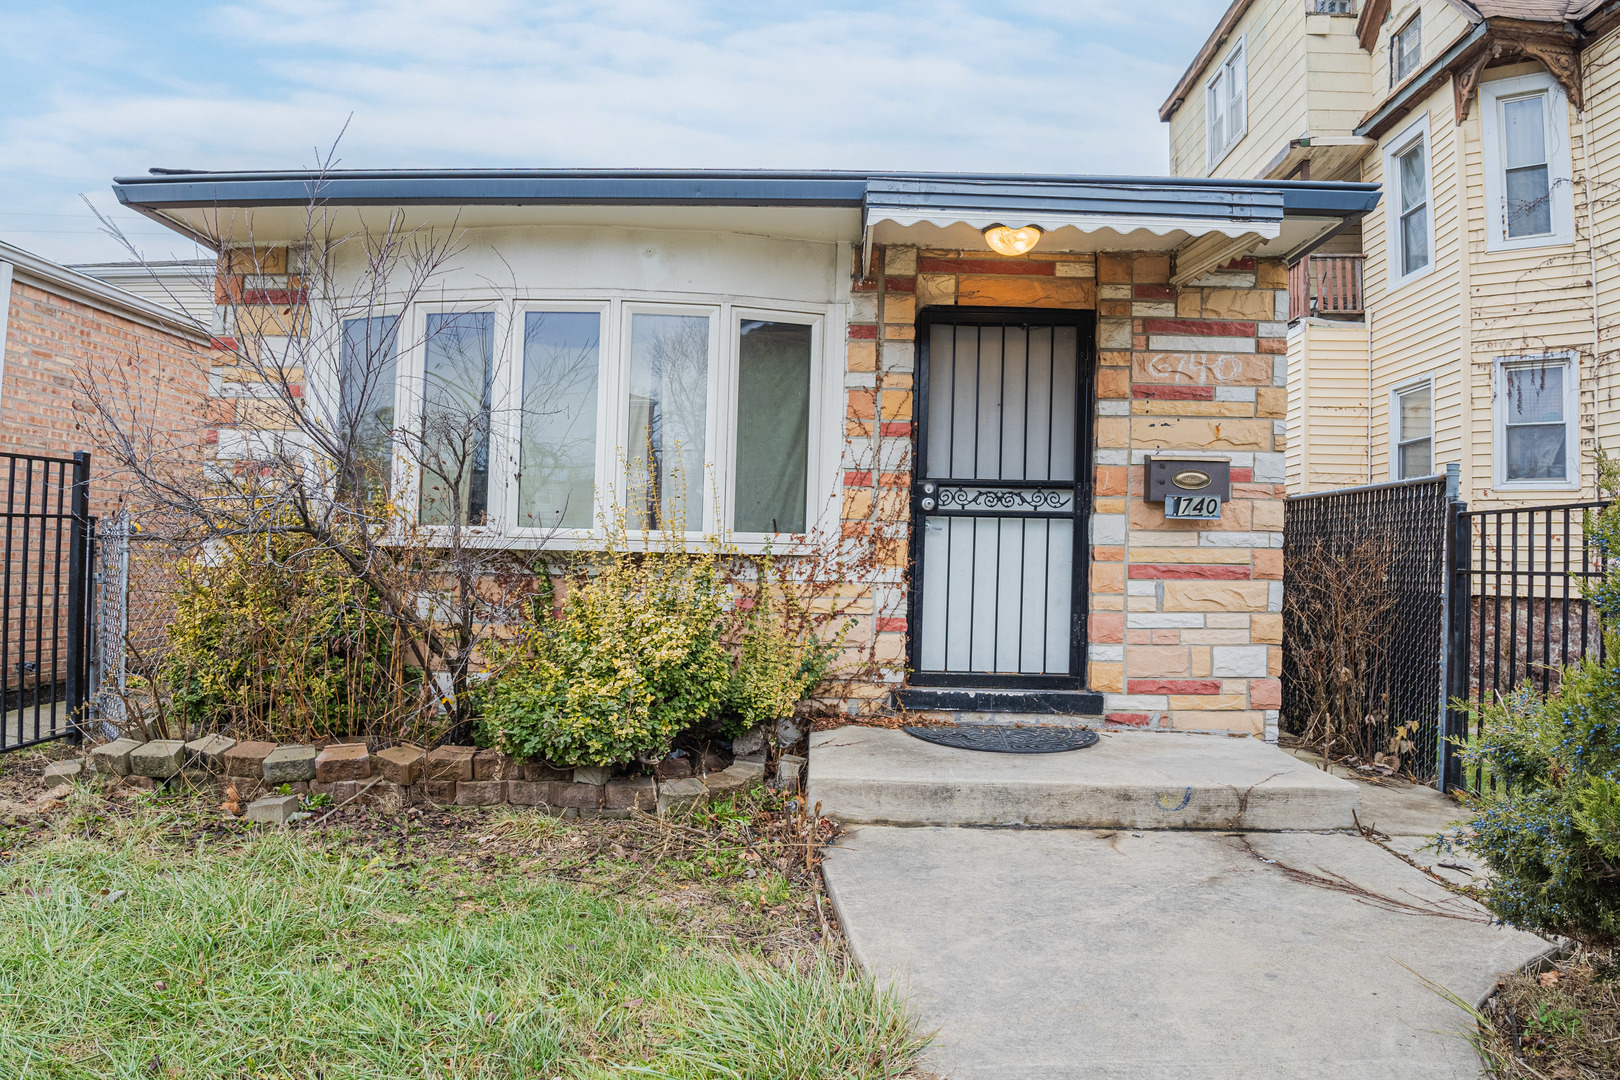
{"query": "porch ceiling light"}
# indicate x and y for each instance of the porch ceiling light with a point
(1005, 241)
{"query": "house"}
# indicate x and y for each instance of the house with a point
(993, 358)
(1467, 319)
(186, 285)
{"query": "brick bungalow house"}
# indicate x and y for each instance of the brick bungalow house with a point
(1065, 393)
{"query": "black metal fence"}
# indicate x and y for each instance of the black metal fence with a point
(45, 579)
(1519, 612)
(1406, 524)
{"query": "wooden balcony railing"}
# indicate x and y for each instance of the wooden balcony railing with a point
(1325, 285)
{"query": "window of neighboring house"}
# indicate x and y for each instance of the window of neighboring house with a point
(458, 363)
(1226, 105)
(1525, 138)
(366, 376)
(1334, 7)
(1405, 50)
(1412, 424)
(1536, 408)
(1411, 226)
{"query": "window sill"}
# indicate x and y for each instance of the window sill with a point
(1227, 152)
(1527, 243)
(1397, 284)
(1537, 485)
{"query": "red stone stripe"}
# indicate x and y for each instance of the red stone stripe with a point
(1198, 327)
(890, 625)
(1174, 686)
(1152, 292)
(1180, 572)
(1174, 393)
(857, 479)
(1022, 267)
(900, 284)
(863, 332)
(896, 427)
(1133, 719)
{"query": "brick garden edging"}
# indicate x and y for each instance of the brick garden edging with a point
(407, 775)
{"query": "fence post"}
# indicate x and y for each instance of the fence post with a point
(1459, 607)
(78, 560)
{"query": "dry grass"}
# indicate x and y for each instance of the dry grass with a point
(1560, 1022)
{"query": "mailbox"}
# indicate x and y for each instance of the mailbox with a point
(1189, 488)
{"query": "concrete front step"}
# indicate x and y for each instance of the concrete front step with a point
(1129, 780)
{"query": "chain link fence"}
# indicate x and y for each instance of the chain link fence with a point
(136, 585)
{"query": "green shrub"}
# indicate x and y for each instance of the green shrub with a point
(273, 638)
(776, 665)
(633, 659)
(1550, 831)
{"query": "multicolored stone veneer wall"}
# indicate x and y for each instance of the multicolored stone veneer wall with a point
(1185, 623)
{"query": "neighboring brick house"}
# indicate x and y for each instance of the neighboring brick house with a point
(863, 361)
(58, 327)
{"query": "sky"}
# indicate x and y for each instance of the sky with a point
(93, 90)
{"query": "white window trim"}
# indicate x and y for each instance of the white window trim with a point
(1572, 424)
(1215, 155)
(1559, 171)
(824, 454)
(1395, 392)
(1410, 135)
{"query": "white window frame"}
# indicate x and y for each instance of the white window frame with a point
(1572, 421)
(1395, 76)
(1492, 97)
(1410, 136)
(1425, 382)
(1216, 154)
(617, 308)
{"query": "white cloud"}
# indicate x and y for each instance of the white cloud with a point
(1025, 86)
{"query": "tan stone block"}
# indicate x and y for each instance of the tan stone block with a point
(1255, 304)
(900, 261)
(1149, 407)
(1108, 577)
(1267, 515)
(1201, 369)
(900, 332)
(896, 405)
(857, 504)
(1208, 701)
(863, 355)
(1249, 721)
(899, 308)
(1266, 628)
(1141, 603)
(936, 290)
(1271, 401)
(271, 320)
(1236, 516)
(1268, 564)
(1188, 433)
(1157, 661)
(1215, 595)
(1106, 678)
(1108, 505)
(1146, 515)
(1226, 620)
(1116, 334)
(1075, 269)
(1274, 660)
(1222, 636)
(1190, 304)
(1007, 290)
(1150, 269)
(1113, 432)
(1113, 383)
(1113, 268)
(1279, 441)
(1108, 603)
(264, 260)
(1271, 273)
(1111, 480)
(1113, 292)
(895, 380)
(1153, 309)
(1198, 661)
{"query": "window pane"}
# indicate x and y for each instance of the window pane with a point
(557, 459)
(366, 402)
(1415, 240)
(1414, 414)
(773, 426)
(1413, 188)
(1523, 131)
(1415, 459)
(669, 408)
(1535, 394)
(1235, 94)
(1408, 47)
(1529, 202)
(455, 418)
(1536, 452)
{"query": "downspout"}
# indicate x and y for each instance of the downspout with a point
(1368, 321)
(1590, 161)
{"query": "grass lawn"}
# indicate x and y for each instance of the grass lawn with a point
(147, 937)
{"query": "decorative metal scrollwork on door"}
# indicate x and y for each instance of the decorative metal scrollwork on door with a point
(1025, 500)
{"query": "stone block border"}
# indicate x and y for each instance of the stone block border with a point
(263, 774)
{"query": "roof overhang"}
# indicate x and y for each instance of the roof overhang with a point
(1078, 213)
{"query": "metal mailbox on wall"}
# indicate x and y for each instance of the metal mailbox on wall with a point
(1189, 488)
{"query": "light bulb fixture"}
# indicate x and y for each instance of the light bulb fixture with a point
(1005, 241)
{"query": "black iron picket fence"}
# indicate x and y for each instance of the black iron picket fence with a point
(1520, 614)
(45, 582)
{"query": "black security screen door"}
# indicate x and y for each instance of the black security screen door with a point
(1001, 498)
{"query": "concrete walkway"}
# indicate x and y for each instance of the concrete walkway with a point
(1170, 955)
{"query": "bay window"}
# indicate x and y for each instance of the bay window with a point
(546, 419)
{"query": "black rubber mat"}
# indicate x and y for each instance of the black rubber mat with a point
(1007, 738)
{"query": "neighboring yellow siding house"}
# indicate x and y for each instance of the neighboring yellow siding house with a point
(1468, 320)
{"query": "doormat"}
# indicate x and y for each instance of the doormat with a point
(1007, 738)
